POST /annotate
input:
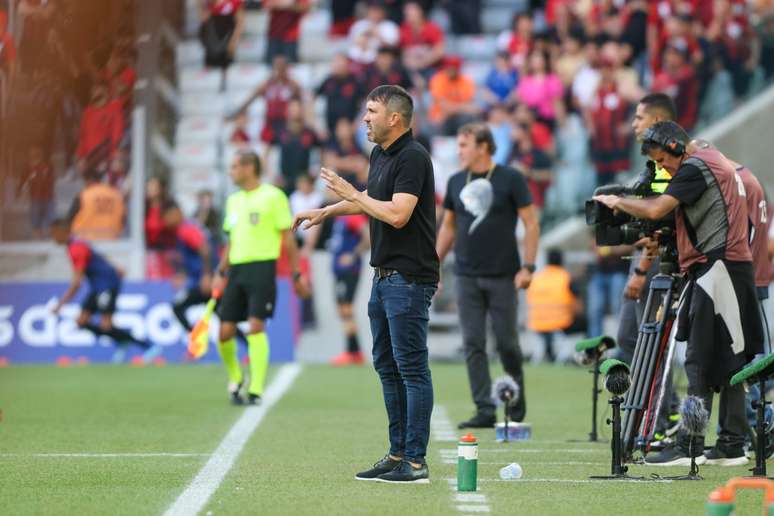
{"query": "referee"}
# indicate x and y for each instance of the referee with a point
(257, 222)
(400, 203)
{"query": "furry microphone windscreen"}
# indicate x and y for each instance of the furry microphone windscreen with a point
(617, 380)
(693, 415)
(505, 391)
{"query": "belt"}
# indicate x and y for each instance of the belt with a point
(381, 272)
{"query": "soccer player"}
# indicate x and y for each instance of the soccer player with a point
(196, 253)
(257, 222)
(104, 285)
(349, 241)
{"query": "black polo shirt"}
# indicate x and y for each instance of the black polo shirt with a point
(405, 167)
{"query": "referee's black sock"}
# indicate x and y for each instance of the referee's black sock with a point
(353, 345)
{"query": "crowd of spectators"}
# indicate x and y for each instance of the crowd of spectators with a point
(66, 82)
(558, 93)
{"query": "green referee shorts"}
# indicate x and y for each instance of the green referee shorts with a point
(251, 291)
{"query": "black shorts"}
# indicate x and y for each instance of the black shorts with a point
(101, 301)
(251, 291)
(346, 286)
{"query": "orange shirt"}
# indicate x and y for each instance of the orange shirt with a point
(459, 91)
(101, 213)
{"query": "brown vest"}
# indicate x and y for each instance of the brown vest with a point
(716, 225)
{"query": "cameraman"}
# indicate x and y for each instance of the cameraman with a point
(723, 332)
(652, 108)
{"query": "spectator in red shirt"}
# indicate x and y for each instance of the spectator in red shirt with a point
(533, 163)
(39, 182)
(342, 92)
(421, 40)
(517, 42)
(608, 123)
(102, 127)
(278, 90)
(284, 27)
(678, 80)
(118, 73)
(222, 23)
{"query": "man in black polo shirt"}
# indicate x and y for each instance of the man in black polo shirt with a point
(483, 204)
(400, 203)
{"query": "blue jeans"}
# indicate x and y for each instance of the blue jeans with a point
(398, 311)
(605, 288)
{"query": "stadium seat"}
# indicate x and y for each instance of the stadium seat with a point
(202, 104)
(246, 76)
(496, 19)
(196, 155)
(478, 48)
(477, 70)
(198, 129)
(251, 50)
(199, 80)
(190, 53)
(310, 50)
(316, 24)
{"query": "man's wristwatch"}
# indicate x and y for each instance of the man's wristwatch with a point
(530, 267)
(640, 272)
(296, 276)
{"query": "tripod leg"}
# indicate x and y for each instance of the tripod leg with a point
(594, 399)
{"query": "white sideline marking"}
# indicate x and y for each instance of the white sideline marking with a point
(195, 496)
(473, 508)
(442, 430)
(106, 455)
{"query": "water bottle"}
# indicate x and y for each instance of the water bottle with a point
(467, 463)
(512, 471)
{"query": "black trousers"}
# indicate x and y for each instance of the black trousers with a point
(478, 297)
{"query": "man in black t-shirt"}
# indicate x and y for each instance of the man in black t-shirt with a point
(342, 92)
(400, 203)
(483, 205)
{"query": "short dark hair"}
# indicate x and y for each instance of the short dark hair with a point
(481, 133)
(248, 157)
(555, 257)
(667, 136)
(396, 99)
(660, 102)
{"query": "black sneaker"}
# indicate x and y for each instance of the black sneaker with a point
(384, 465)
(479, 421)
(672, 455)
(722, 456)
(234, 396)
(405, 473)
(253, 399)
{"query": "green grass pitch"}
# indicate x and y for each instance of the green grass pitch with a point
(302, 458)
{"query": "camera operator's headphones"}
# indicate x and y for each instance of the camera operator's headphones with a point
(659, 136)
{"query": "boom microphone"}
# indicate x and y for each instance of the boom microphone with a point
(693, 415)
(505, 391)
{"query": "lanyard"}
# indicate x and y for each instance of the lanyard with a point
(488, 174)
